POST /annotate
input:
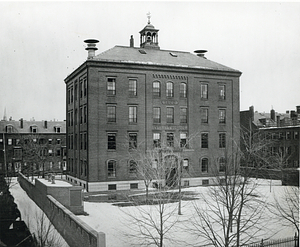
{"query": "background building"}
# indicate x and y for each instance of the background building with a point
(139, 97)
(32, 145)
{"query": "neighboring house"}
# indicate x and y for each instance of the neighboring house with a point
(35, 145)
(281, 132)
(129, 97)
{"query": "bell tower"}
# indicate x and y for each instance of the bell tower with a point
(149, 36)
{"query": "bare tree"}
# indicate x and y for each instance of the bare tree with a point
(44, 232)
(151, 224)
(286, 207)
(231, 212)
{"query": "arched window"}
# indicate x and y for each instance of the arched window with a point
(111, 168)
(156, 89)
(170, 89)
(204, 165)
(182, 90)
(222, 164)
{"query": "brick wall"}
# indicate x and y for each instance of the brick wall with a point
(75, 232)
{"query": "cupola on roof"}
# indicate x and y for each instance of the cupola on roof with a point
(149, 36)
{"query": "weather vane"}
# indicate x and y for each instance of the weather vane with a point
(148, 16)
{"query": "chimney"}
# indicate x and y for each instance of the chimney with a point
(293, 115)
(21, 123)
(45, 124)
(131, 41)
(91, 47)
(278, 121)
(272, 113)
(298, 109)
(251, 112)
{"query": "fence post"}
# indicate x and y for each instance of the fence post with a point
(296, 238)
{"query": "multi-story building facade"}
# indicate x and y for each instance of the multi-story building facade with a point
(41, 143)
(281, 130)
(129, 97)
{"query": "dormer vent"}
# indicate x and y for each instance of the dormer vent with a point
(91, 47)
(173, 54)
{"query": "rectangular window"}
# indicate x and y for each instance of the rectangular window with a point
(18, 153)
(58, 141)
(85, 141)
(111, 114)
(221, 92)
(58, 152)
(132, 114)
(156, 115)
(222, 116)
(170, 139)
(183, 140)
(132, 87)
(156, 89)
(204, 91)
(170, 115)
(132, 140)
(84, 114)
(112, 187)
(111, 141)
(33, 129)
(296, 135)
(222, 140)
(72, 95)
(84, 86)
(204, 140)
(50, 141)
(288, 135)
(156, 140)
(81, 115)
(134, 186)
(204, 115)
(81, 89)
(183, 115)
(111, 86)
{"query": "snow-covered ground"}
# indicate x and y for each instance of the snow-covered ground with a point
(114, 221)
(32, 214)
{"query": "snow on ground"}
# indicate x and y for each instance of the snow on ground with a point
(30, 212)
(113, 220)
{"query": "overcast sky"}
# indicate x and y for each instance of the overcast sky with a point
(42, 42)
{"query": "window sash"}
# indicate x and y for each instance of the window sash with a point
(204, 91)
(204, 140)
(156, 114)
(222, 116)
(222, 92)
(169, 91)
(183, 90)
(204, 165)
(222, 140)
(132, 87)
(204, 115)
(170, 139)
(156, 89)
(183, 115)
(111, 169)
(111, 86)
(132, 140)
(111, 114)
(170, 115)
(111, 141)
(132, 114)
(156, 139)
